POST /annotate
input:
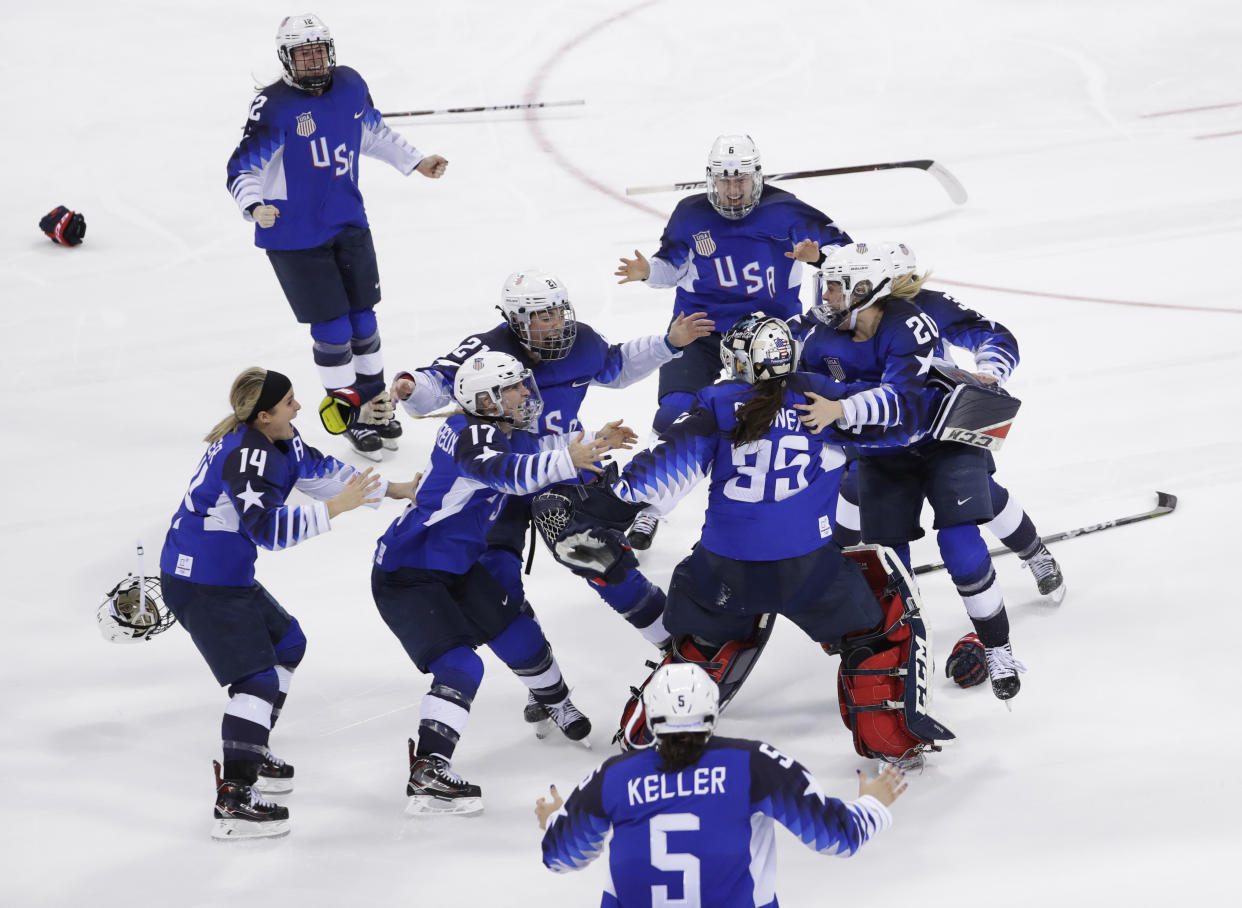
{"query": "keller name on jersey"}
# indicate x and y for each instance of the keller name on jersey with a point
(660, 786)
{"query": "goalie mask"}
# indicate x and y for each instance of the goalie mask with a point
(306, 51)
(852, 279)
(127, 617)
(494, 385)
(758, 348)
(681, 698)
(734, 176)
(536, 305)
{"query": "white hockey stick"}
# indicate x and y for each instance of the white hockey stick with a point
(951, 185)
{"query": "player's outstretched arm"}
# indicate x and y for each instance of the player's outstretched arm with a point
(886, 787)
(404, 490)
(686, 329)
(545, 809)
(635, 269)
(433, 166)
(358, 491)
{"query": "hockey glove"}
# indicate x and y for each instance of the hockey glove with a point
(339, 409)
(63, 226)
(966, 664)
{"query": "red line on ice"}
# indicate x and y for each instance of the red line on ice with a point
(1088, 299)
(1168, 113)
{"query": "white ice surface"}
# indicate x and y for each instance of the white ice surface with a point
(1110, 782)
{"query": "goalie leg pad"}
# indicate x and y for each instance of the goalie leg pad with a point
(729, 667)
(884, 682)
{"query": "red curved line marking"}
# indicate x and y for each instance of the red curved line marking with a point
(533, 90)
(1220, 135)
(1088, 299)
(1168, 113)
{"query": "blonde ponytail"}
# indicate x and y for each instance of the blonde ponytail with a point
(907, 286)
(242, 397)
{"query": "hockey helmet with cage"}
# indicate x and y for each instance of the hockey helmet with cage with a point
(862, 274)
(539, 293)
(125, 616)
(482, 381)
(902, 257)
(681, 698)
(734, 176)
(757, 348)
(301, 31)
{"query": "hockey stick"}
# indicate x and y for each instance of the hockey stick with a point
(1165, 503)
(956, 191)
(456, 110)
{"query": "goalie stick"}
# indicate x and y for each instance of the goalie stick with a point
(1165, 504)
(457, 110)
(956, 191)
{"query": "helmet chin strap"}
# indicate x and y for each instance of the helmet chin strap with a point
(851, 311)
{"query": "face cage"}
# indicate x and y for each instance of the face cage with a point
(550, 349)
(845, 317)
(135, 619)
(309, 83)
(735, 214)
(527, 418)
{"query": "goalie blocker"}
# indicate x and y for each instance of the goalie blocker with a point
(975, 412)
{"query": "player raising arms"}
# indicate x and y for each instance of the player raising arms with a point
(437, 598)
(295, 174)
(236, 503)
(692, 818)
(737, 248)
(879, 346)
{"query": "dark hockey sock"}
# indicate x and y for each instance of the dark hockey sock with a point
(638, 601)
(523, 648)
(847, 528)
(1011, 525)
(247, 720)
(289, 652)
(368, 360)
(334, 358)
(446, 707)
(993, 631)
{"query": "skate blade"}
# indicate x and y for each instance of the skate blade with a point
(422, 806)
(543, 727)
(1058, 595)
(237, 830)
(390, 444)
(376, 456)
(274, 786)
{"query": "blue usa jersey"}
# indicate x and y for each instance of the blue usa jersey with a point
(704, 835)
(882, 380)
(474, 466)
(236, 503)
(731, 268)
(769, 499)
(993, 346)
(562, 383)
(300, 152)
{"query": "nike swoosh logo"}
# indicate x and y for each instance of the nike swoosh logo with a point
(962, 501)
(579, 384)
(359, 114)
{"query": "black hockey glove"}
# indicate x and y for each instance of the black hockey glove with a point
(967, 664)
(63, 226)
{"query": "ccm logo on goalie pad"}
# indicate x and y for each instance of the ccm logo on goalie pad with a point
(991, 438)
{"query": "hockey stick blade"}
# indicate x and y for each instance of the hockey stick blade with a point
(950, 183)
(457, 110)
(1166, 503)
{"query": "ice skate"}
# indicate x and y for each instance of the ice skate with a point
(242, 813)
(381, 415)
(435, 789)
(365, 439)
(535, 714)
(1004, 669)
(642, 531)
(275, 776)
(1047, 574)
(575, 726)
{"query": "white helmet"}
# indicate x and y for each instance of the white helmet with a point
(863, 273)
(297, 31)
(733, 169)
(757, 348)
(533, 291)
(481, 381)
(681, 698)
(902, 257)
(126, 617)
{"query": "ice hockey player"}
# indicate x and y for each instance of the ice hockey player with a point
(235, 504)
(879, 347)
(734, 249)
(434, 594)
(295, 175)
(567, 357)
(692, 819)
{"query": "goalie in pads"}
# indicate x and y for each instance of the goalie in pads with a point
(766, 546)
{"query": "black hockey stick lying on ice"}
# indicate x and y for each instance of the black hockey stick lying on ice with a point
(454, 110)
(1165, 503)
(956, 191)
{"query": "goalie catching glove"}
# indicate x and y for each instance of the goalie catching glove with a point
(584, 526)
(63, 226)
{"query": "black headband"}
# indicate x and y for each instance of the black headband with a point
(275, 387)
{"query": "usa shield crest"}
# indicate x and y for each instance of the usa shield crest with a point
(834, 368)
(703, 243)
(306, 125)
